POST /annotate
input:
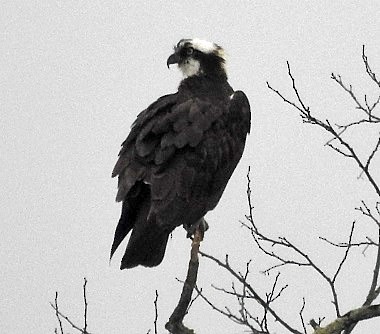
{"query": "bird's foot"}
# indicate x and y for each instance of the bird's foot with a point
(201, 224)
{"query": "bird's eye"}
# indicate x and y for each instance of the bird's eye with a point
(189, 51)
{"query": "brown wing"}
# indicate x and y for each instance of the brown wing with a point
(133, 158)
(162, 135)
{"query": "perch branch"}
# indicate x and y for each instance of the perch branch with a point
(175, 324)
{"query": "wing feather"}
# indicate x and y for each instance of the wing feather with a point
(186, 151)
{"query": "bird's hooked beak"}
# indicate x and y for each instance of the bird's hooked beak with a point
(173, 59)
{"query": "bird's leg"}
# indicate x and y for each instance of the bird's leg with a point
(201, 224)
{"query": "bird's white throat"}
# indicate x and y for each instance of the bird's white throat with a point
(190, 67)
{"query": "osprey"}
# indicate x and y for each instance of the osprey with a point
(179, 155)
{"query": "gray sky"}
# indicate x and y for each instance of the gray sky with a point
(74, 75)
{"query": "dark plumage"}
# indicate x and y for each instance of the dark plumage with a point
(181, 151)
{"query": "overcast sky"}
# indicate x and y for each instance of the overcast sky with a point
(73, 77)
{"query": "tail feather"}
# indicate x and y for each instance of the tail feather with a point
(122, 229)
(147, 243)
(146, 247)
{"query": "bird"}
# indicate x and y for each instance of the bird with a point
(181, 151)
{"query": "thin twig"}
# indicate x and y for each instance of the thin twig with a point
(368, 69)
(374, 291)
(346, 252)
(85, 305)
(68, 320)
(260, 300)
(372, 153)
(227, 313)
(57, 312)
(301, 315)
(155, 313)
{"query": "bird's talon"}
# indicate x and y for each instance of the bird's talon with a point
(201, 224)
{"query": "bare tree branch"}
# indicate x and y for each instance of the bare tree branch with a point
(57, 313)
(283, 243)
(225, 265)
(346, 252)
(60, 315)
(368, 69)
(367, 109)
(85, 305)
(155, 313)
(301, 315)
(227, 313)
(374, 289)
(307, 117)
(175, 323)
(348, 321)
(352, 317)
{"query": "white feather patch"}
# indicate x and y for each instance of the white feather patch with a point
(207, 47)
(203, 46)
(190, 67)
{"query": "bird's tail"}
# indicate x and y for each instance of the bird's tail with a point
(147, 243)
(146, 246)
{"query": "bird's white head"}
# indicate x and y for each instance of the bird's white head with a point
(198, 57)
